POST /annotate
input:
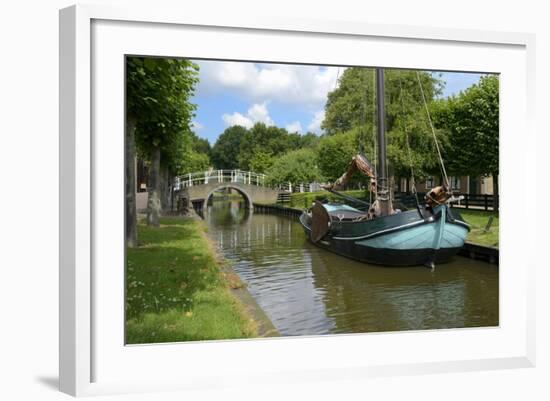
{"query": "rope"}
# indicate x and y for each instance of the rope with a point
(408, 145)
(375, 157)
(442, 165)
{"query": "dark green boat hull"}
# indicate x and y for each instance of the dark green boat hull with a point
(414, 237)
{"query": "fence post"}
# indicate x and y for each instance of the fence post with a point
(467, 200)
(206, 177)
(485, 196)
(189, 182)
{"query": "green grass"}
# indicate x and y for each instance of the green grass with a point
(175, 290)
(477, 219)
(301, 200)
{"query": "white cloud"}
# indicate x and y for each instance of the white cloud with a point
(315, 124)
(237, 119)
(257, 113)
(196, 126)
(294, 127)
(294, 84)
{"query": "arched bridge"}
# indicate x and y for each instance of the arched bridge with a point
(195, 189)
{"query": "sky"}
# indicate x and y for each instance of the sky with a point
(290, 96)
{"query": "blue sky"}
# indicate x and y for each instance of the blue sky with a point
(290, 96)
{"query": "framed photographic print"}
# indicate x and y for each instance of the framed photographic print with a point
(279, 199)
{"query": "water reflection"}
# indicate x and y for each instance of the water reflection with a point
(307, 291)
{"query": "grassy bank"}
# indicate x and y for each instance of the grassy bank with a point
(477, 219)
(175, 290)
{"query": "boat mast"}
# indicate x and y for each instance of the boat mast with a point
(382, 193)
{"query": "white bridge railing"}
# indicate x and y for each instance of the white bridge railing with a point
(238, 176)
(219, 176)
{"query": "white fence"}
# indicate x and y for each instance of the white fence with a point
(307, 187)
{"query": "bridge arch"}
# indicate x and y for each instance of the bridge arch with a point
(195, 189)
(237, 188)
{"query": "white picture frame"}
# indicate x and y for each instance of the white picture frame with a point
(93, 358)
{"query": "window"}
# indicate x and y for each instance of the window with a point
(430, 182)
(455, 183)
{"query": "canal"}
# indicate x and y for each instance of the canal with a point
(308, 291)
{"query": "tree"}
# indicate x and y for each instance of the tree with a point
(353, 102)
(158, 92)
(226, 149)
(261, 161)
(262, 138)
(411, 147)
(297, 166)
(472, 119)
(195, 161)
(334, 153)
(130, 184)
(201, 145)
(351, 107)
(308, 140)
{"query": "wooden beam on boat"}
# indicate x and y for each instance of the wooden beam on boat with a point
(320, 222)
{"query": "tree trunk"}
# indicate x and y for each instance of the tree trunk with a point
(153, 201)
(495, 192)
(170, 193)
(130, 186)
(165, 188)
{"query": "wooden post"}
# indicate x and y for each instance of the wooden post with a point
(485, 201)
(466, 200)
(488, 225)
(189, 182)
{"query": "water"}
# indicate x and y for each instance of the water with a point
(308, 291)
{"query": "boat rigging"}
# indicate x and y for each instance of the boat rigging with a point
(432, 233)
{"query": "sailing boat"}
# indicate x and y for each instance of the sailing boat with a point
(430, 234)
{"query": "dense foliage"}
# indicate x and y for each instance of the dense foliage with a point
(335, 152)
(351, 109)
(472, 122)
(353, 102)
(158, 93)
(256, 148)
(297, 166)
(226, 149)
